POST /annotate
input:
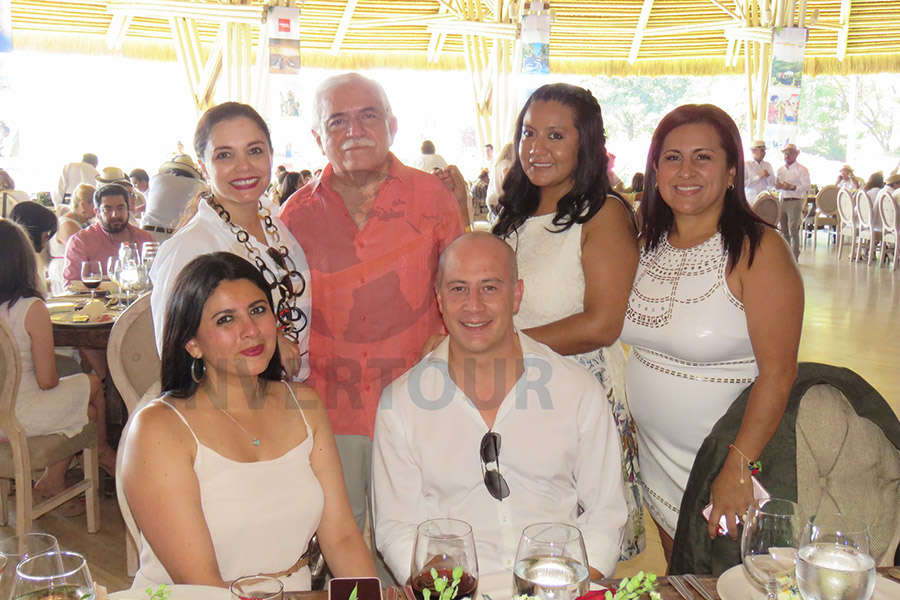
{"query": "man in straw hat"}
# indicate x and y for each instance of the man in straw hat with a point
(793, 181)
(893, 182)
(759, 175)
(171, 189)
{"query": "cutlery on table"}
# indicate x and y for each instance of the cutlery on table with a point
(695, 583)
(678, 583)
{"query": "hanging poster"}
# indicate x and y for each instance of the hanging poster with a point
(283, 29)
(536, 43)
(788, 48)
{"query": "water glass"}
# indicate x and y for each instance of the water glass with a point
(257, 587)
(53, 575)
(834, 561)
(551, 562)
(444, 547)
(769, 543)
(15, 549)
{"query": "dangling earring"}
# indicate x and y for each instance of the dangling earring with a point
(731, 188)
(198, 370)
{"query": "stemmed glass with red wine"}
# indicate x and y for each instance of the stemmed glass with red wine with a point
(444, 550)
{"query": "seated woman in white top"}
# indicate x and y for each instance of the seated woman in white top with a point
(45, 403)
(226, 475)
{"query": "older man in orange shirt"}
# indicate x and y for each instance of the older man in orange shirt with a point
(372, 229)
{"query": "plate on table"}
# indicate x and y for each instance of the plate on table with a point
(90, 312)
(177, 592)
(734, 585)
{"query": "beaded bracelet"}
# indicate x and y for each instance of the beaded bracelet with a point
(754, 466)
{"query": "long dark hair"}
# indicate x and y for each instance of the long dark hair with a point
(737, 221)
(520, 198)
(18, 268)
(224, 112)
(36, 219)
(193, 287)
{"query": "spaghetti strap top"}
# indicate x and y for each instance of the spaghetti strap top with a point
(260, 515)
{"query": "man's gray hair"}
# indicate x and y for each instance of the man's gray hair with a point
(343, 79)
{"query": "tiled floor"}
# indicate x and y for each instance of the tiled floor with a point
(852, 319)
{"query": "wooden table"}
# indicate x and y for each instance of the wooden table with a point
(94, 336)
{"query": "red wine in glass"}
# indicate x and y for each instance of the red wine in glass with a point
(468, 585)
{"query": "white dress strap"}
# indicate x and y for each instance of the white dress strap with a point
(180, 416)
(297, 402)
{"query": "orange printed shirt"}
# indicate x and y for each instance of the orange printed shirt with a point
(373, 303)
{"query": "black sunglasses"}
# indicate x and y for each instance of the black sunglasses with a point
(490, 453)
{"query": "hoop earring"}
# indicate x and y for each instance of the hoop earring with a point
(198, 370)
(731, 188)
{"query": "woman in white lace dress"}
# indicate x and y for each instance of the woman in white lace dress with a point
(717, 304)
(575, 247)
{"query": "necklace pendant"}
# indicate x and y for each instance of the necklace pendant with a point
(256, 441)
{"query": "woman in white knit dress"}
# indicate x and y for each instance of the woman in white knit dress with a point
(717, 304)
(576, 252)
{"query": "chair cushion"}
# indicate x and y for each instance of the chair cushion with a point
(47, 449)
(845, 463)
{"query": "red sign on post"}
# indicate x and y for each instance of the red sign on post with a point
(284, 25)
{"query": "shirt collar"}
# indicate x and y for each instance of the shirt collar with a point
(397, 170)
(441, 354)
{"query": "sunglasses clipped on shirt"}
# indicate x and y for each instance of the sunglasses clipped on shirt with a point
(490, 466)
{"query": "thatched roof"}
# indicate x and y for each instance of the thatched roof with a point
(588, 36)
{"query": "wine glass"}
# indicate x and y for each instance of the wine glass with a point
(17, 548)
(444, 549)
(834, 561)
(56, 575)
(551, 562)
(769, 543)
(91, 275)
(257, 587)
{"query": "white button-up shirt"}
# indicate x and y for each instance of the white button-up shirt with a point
(754, 180)
(206, 232)
(560, 454)
(796, 174)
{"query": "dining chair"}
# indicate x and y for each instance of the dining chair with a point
(22, 457)
(134, 366)
(868, 231)
(890, 221)
(848, 222)
(767, 207)
(131, 352)
(837, 448)
(825, 212)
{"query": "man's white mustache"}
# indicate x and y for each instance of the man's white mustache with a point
(357, 143)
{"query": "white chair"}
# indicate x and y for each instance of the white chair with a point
(826, 209)
(134, 366)
(890, 221)
(21, 456)
(767, 207)
(848, 224)
(869, 232)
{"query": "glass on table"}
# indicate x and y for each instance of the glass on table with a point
(769, 543)
(444, 560)
(53, 576)
(91, 275)
(17, 548)
(834, 560)
(257, 587)
(551, 562)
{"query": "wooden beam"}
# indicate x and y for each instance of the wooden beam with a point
(639, 31)
(392, 21)
(115, 33)
(208, 11)
(343, 26)
(508, 31)
(436, 42)
(712, 25)
(763, 35)
(845, 30)
(727, 10)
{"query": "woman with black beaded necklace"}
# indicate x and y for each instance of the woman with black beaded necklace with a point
(234, 150)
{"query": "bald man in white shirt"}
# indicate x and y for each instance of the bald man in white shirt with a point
(437, 449)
